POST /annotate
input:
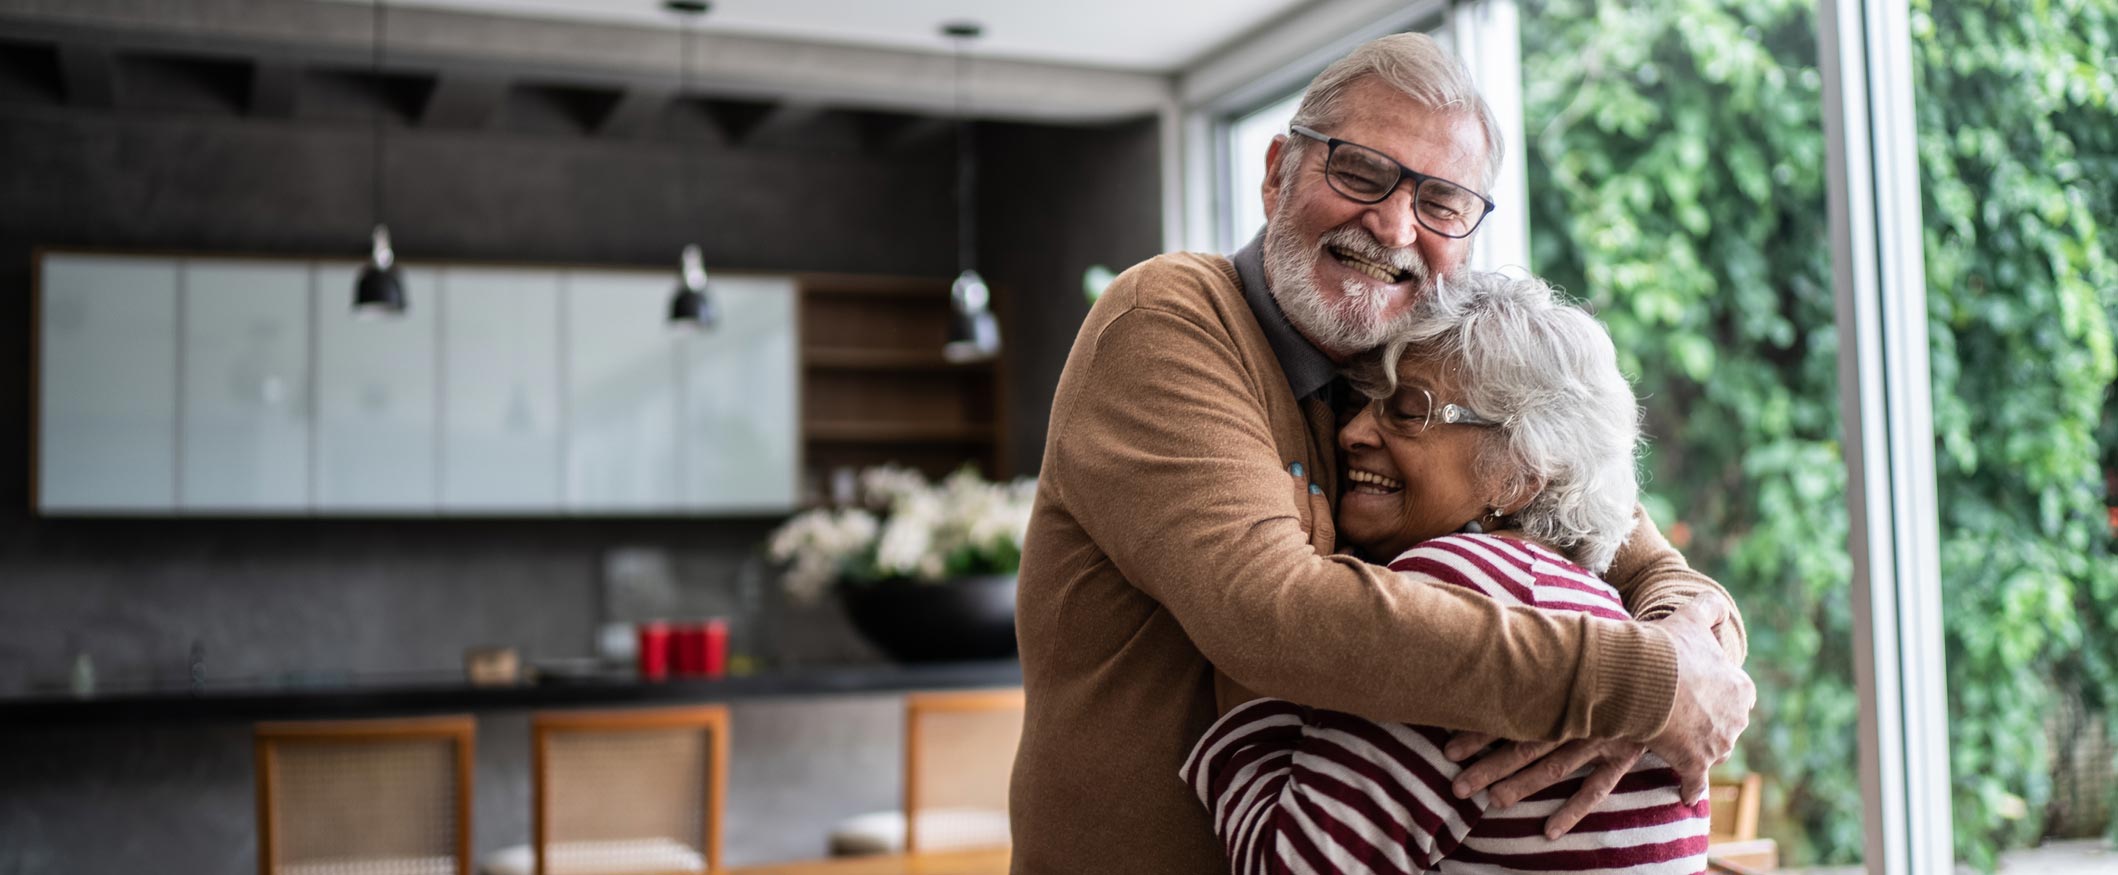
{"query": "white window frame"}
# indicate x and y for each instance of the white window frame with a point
(1885, 403)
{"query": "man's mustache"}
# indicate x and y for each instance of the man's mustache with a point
(1363, 245)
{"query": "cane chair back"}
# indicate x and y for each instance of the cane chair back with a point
(365, 797)
(959, 753)
(626, 792)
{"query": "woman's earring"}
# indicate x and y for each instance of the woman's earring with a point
(1472, 528)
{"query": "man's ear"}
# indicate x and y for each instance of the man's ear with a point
(1271, 189)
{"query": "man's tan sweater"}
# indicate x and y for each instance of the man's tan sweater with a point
(1170, 538)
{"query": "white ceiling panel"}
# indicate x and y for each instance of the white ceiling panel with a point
(1145, 35)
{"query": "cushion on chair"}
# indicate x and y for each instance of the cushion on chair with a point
(373, 866)
(940, 829)
(604, 857)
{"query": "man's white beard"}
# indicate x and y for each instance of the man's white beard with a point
(1353, 323)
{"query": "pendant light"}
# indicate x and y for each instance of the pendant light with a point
(691, 308)
(379, 291)
(974, 333)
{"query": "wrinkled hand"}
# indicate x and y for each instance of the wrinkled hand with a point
(1713, 699)
(1519, 769)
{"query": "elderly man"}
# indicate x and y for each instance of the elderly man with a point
(1182, 544)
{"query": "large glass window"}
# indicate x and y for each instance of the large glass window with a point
(1676, 180)
(2018, 148)
(1248, 136)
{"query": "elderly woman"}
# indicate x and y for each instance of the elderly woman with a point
(1495, 453)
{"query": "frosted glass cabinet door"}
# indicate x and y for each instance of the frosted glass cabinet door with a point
(107, 384)
(245, 420)
(621, 402)
(376, 428)
(740, 396)
(499, 390)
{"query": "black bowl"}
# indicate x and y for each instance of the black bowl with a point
(964, 619)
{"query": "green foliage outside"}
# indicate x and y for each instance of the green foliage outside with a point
(1676, 162)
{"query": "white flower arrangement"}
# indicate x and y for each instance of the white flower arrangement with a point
(905, 527)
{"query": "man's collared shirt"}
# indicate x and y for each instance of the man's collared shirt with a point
(1309, 371)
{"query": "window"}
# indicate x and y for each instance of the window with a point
(1243, 161)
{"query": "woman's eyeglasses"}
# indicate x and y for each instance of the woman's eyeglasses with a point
(1368, 176)
(1411, 411)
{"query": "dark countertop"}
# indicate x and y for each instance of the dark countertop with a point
(370, 696)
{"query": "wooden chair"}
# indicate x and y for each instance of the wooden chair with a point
(365, 796)
(959, 759)
(959, 755)
(1733, 845)
(640, 791)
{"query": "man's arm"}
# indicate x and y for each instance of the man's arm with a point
(1656, 581)
(1164, 455)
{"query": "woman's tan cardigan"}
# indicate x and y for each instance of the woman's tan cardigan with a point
(1170, 539)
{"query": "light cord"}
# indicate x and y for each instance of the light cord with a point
(966, 167)
(382, 96)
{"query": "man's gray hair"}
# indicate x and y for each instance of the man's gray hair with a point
(1412, 63)
(1522, 354)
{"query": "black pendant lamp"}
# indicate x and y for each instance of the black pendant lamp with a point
(974, 333)
(380, 290)
(691, 308)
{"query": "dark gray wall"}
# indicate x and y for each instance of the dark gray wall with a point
(271, 598)
(1054, 201)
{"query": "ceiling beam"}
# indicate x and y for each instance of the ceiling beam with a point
(729, 65)
(89, 75)
(889, 133)
(778, 120)
(636, 112)
(275, 84)
(464, 100)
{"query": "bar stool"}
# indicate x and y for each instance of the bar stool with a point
(624, 792)
(959, 756)
(365, 796)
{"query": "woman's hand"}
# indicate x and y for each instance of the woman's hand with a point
(1519, 769)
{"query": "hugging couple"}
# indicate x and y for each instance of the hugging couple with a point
(1337, 564)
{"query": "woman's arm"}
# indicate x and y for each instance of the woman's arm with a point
(1293, 789)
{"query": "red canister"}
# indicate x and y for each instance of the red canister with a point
(690, 660)
(714, 658)
(654, 640)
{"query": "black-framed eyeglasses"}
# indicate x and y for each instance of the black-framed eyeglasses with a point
(1410, 411)
(1369, 176)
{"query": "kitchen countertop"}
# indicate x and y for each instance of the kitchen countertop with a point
(398, 694)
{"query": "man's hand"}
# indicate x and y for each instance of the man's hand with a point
(1713, 698)
(1522, 768)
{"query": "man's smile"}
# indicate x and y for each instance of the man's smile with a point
(1382, 273)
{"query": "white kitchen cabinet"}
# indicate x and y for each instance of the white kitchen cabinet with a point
(171, 385)
(244, 421)
(621, 392)
(500, 438)
(740, 439)
(107, 384)
(377, 426)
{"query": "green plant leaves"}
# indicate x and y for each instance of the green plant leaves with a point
(1676, 162)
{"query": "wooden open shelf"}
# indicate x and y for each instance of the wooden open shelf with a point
(898, 432)
(876, 389)
(871, 358)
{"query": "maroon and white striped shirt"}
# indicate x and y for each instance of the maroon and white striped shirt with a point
(1295, 790)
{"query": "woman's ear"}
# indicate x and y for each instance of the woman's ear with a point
(1521, 497)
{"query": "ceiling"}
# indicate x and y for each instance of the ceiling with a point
(1143, 35)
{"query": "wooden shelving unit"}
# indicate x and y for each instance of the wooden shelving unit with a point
(876, 389)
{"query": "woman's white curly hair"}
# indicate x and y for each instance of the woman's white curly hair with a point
(1521, 353)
